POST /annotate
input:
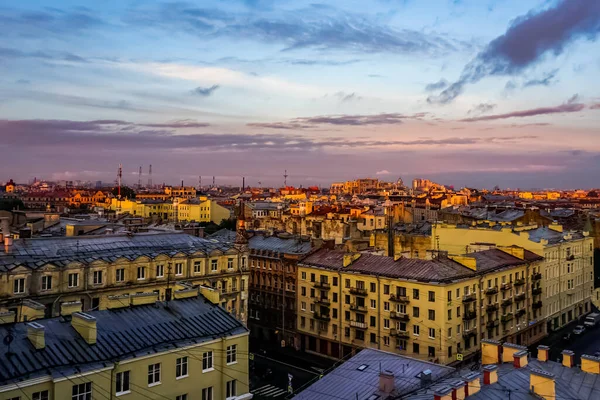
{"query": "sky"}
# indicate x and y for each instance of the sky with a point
(472, 93)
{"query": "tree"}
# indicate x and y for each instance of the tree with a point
(592, 193)
(11, 204)
(126, 192)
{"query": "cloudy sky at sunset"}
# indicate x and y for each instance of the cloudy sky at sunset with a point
(465, 92)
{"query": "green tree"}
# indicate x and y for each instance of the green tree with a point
(126, 192)
(11, 204)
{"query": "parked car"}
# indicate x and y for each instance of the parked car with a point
(592, 320)
(579, 329)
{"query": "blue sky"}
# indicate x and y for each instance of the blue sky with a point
(468, 92)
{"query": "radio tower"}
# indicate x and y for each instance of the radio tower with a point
(199, 183)
(150, 176)
(140, 178)
(213, 182)
(285, 175)
(119, 177)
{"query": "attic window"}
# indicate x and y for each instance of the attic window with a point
(362, 367)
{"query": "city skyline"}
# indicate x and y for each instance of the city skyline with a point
(469, 93)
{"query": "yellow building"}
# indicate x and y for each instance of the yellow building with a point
(165, 210)
(184, 349)
(182, 192)
(200, 210)
(567, 280)
(94, 270)
(431, 310)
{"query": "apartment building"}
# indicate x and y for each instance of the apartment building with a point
(94, 269)
(202, 210)
(568, 270)
(183, 349)
(428, 309)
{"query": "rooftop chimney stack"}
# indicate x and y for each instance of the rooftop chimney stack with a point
(386, 381)
(490, 374)
(568, 358)
(458, 390)
(35, 334)
(590, 364)
(490, 351)
(508, 351)
(473, 383)
(543, 353)
(85, 325)
(443, 393)
(542, 384)
(520, 359)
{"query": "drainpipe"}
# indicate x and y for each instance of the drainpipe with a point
(378, 319)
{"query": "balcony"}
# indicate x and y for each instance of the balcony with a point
(322, 317)
(506, 303)
(467, 298)
(491, 290)
(491, 307)
(570, 257)
(519, 282)
(520, 312)
(399, 298)
(520, 297)
(358, 324)
(506, 286)
(358, 291)
(322, 285)
(469, 315)
(357, 308)
(324, 301)
(400, 334)
(536, 277)
(492, 324)
(399, 316)
(506, 318)
(537, 305)
(468, 333)
(536, 291)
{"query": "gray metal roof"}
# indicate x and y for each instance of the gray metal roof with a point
(348, 382)
(282, 243)
(37, 252)
(121, 334)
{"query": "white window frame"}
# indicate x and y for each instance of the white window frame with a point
(41, 395)
(208, 357)
(73, 280)
(231, 389)
(85, 395)
(178, 269)
(181, 368)
(141, 273)
(95, 275)
(197, 267)
(214, 265)
(153, 369)
(160, 268)
(231, 354)
(20, 286)
(46, 282)
(182, 397)
(431, 330)
(120, 275)
(230, 263)
(207, 393)
(121, 387)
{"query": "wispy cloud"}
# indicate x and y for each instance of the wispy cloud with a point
(49, 21)
(382, 172)
(563, 108)
(546, 80)
(528, 40)
(342, 120)
(482, 108)
(439, 85)
(205, 91)
(344, 97)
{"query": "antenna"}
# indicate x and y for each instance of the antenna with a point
(119, 177)
(285, 175)
(213, 181)
(140, 178)
(243, 183)
(150, 176)
(199, 183)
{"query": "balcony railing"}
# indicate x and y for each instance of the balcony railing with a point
(491, 290)
(399, 316)
(322, 285)
(358, 291)
(519, 282)
(324, 301)
(469, 315)
(358, 324)
(399, 334)
(520, 297)
(491, 307)
(537, 276)
(536, 291)
(322, 317)
(506, 318)
(469, 297)
(399, 298)
(356, 307)
(492, 324)
(467, 333)
(520, 312)
(537, 305)
(506, 286)
(570, 257)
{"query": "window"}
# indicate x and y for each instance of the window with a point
(373, 287)
(347, 315)
(120, 275)
(231, 388)
(73, 280)
(347, 283)
(213, 265)
(303, 306)
(230, 263)
(416, 348)
(160, 271)
(373, 338)
(386, 289)
(431, 296)
(303, 291)
(386, 323)
(449, 295)
(347, 299)
(416, 294)
(46, 282)
(232, 354)
(207, 393)
(154, 374)
(416, 329)
(431, 351)
(416, 312)
(372, 321)
(182, 397)
(181, 367)
(432, 333)
(313, 278)
(386, 306)
(449, 314)
(197, 267)
(178, 269)
(97, 279)
(303, 275)
(43, 395)
(207, 361)
(141, 273)
(432, 315)
(123, 382)
(335, 297)
(334, 313)
(449, 333)
(83, 391)
(312, 307)
(373, 303)
(335, 281)
(386, 340)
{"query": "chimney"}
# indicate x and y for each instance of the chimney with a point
(7, 317)
(443, 393)
(520, 359)
(508, 351)
(490, 351)
(35, 334)
(568, 358)
(458, 390)
(590, 364)
(490, 374)
(542, 384)
(70, 307)
(85, 325)
(473, 383)
(543, 353)
(386, 381)
(349, 258)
